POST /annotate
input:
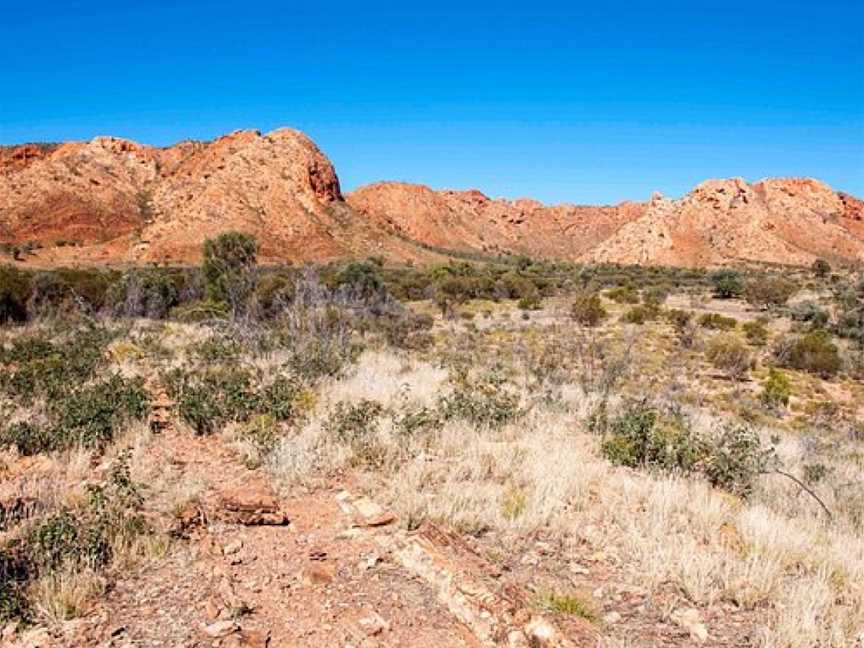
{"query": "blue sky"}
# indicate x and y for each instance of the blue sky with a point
(559, 101)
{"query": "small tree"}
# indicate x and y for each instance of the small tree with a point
(727, 283)
(821, 268)
(229, 267)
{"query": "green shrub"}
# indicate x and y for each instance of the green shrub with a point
(727, 283)
(415, 421)
(641, 437)
(209, 399)
(734, 459)
(363, 280)
(88, 415)
(776, 390)
(354, 423)
(485, 401)
(717, 322)
(655, 296)
(587, 309)
(229, 267)
(813, 352)
(809, 313)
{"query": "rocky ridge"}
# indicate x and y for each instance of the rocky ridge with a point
(114, 201)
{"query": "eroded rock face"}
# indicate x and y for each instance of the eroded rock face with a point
(470, 221)
(779, 220)
(114, 201)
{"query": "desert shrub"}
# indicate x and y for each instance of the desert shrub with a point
(776, 390)
(407, 330)
(728, 354)
(273, 293)
(639, 315)
(655, 296)
(821, 268)
(48, 368)
(809, 313)
(416, 421)
(587, 309)
(363, 280)
(717, 322)
(279, 398)
(623, 295)
(484, 401)
(813, 352)
(642, 437)
(755, 332)
(734, 459)
(216, 349)
(769, 291)
(354, 423)
(207, 400)
(88, 415)
(727, 283)
(731, 457)
(142, 293)
(229, 266)
(530, 302)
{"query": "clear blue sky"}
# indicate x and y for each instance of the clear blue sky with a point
(581, 102)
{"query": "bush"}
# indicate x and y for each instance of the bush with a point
(776, 390)
(734, 459)
(813, 352)
(208, 400)
(655, 296)
(587, 309)
(730, 458)
(755, 332)
(727, 283)
(769, 291)
(640, 437)
(142, 293)
(89, 415)
(728, 354)
(717, 322)
(229, 269)
(363, 280)
(354, 423)
(530, 302)
(810, 313)
(623, 295)
(821, 268)
(639, 315)
(485, 401)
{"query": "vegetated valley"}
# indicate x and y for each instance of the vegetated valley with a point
(502, 453)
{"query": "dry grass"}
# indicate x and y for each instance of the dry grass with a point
(775, 554)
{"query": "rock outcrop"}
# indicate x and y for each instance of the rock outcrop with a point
(114, 201)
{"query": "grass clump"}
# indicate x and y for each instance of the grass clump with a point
(568, 604)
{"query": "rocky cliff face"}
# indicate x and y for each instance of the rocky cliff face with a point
(115, 201)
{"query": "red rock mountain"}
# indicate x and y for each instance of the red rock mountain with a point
(115, 201)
